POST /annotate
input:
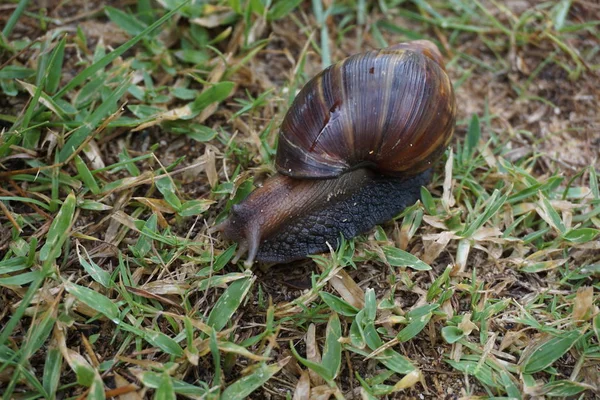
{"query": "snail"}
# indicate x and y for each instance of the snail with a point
(354, 150)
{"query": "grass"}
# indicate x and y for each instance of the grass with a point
(129, 130)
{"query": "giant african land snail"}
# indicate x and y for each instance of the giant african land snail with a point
(354, 149)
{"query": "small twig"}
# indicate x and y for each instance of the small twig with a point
(10, 217)
(23, 50)
(24, 194)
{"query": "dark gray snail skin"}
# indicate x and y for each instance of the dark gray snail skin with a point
(287, 219)
(378, 200)
(354, 150)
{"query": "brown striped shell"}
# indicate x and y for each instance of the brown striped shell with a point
(392, 109)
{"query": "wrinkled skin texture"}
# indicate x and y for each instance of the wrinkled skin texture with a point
(377, 201)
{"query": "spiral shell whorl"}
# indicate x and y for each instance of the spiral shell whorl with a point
(393, 109)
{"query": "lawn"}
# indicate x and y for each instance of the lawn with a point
(129, 129)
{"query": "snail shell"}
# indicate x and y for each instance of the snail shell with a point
(391, 109)
(354, 149)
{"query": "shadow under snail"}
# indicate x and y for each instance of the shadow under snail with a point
(354, 150)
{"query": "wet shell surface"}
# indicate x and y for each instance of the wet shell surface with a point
(392, 109)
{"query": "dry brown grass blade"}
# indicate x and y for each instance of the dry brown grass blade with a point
(583, 304)
(10, 218)
(348, 289)
(313, 354)
(302, 390)
(90, 351)
(124, 390)
(409, 380)
(435, 244)
(148, 295)
(322, 392)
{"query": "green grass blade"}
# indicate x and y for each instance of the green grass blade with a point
(243, 387)
(128, 22)
(12, 21)
(52, 371)
(152, 380)
(229, 302)
(167, 188)
(90, 123)
(86, 176)
(416, 325)
(400, 258)
(215, 94)
(55, 67)
(16, 72)
(16, 317)
(320, 369)
(494, 203)
(165, 390)
(339, 305)
(332, 353)
(550, 215)
(104, 61)
(473, 135)
(95, 300)
(93, 269)
(57, 234)
(164, 342)
(546, 353)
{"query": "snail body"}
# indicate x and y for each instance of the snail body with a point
(354, 149)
